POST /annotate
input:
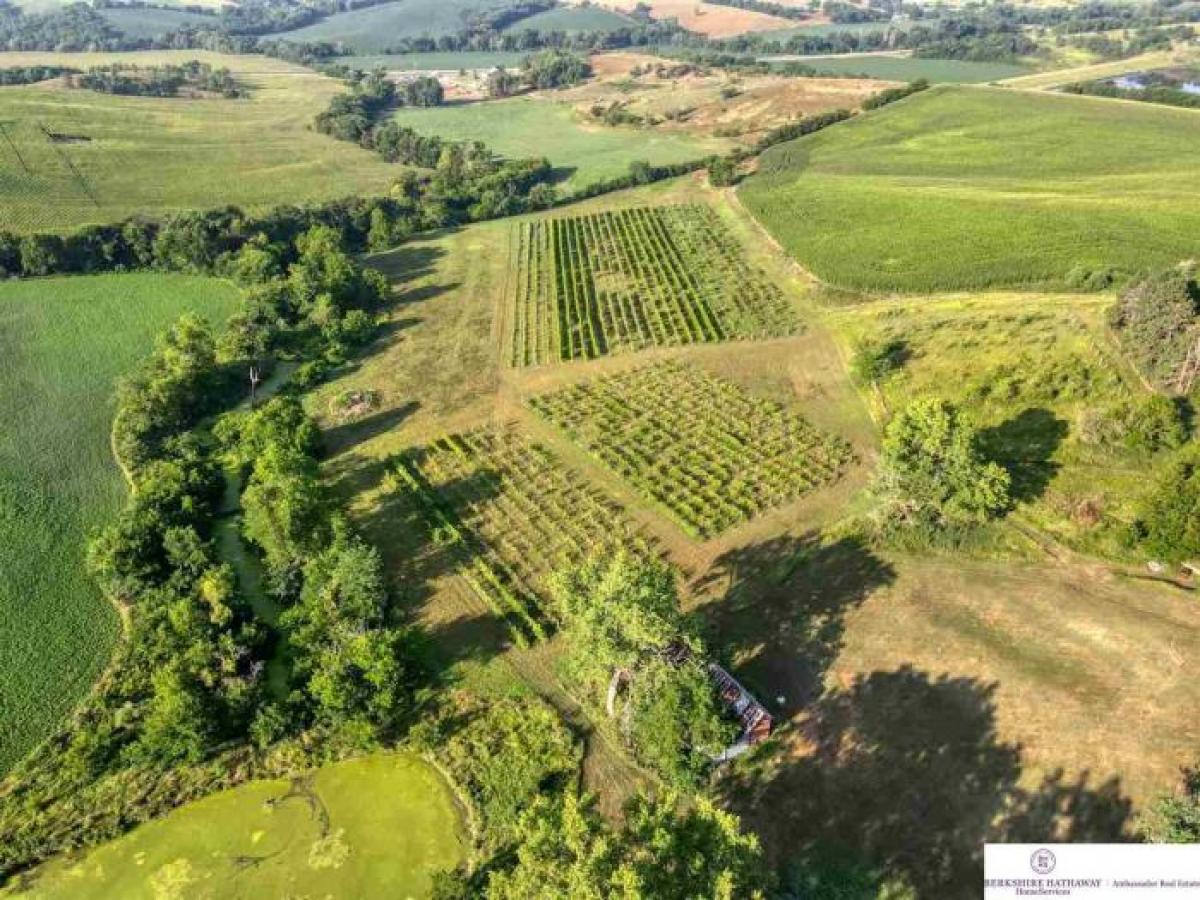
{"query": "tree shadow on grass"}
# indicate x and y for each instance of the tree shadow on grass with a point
(418, 554)
(341, 438)
(415, 258)
(1024, 445)
(781, 621)
(906, 773)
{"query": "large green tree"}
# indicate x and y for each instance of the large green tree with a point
(932, 471)
(1169, 522)
(566, 852)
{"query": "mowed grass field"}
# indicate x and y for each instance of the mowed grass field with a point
(536, 126)
(978, 187)
(147, 155)
(63, 342)
(377, 826)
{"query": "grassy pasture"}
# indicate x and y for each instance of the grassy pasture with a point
(970, 188)
(537, 126)
(939, 703)
(63, 342)
(890, 67)
(373, 29)
(711, 453)
(620, 281)
(150, 155)
(1027, 367)
(379, 825)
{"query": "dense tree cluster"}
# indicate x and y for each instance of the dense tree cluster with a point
(1175, 818)
(621, 619)
(1156, 87)
(189, 685)
(1168, 523)
(554, 68)
(1158, 321)
(891, 95)
(566, 850)
(158, 81)
(769, 8)
(32, 74)
(932, 473)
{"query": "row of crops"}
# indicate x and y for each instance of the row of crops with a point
(709, 452)
(624, 280)
(512, 515)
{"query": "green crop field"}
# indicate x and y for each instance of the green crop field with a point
(373, 29)
(127, 155)
(908, 68)
(150, 22)
(377, 826)
(533, 126)
(63, 342)
(971, 187)
(513, 516)
(708, 451)
(624, 280)
(573, 19)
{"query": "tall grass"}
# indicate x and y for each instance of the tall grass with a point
(63, 342)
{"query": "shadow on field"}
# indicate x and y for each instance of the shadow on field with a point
(905, 772)
(782, 616)
(1024, 445)
(413, 259)
(395, 521)
(340, 438)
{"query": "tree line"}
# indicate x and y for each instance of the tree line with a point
(33, 74)
(1157, 88)
(158, 81)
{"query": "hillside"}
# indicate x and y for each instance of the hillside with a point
(128, 155)
(968, 188)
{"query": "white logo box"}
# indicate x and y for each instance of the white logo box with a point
(1092, 871)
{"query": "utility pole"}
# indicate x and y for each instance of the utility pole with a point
(254, 380)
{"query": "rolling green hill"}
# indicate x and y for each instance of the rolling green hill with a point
(375, 28)
(63, 343)
(121, 155)
(974, 187)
